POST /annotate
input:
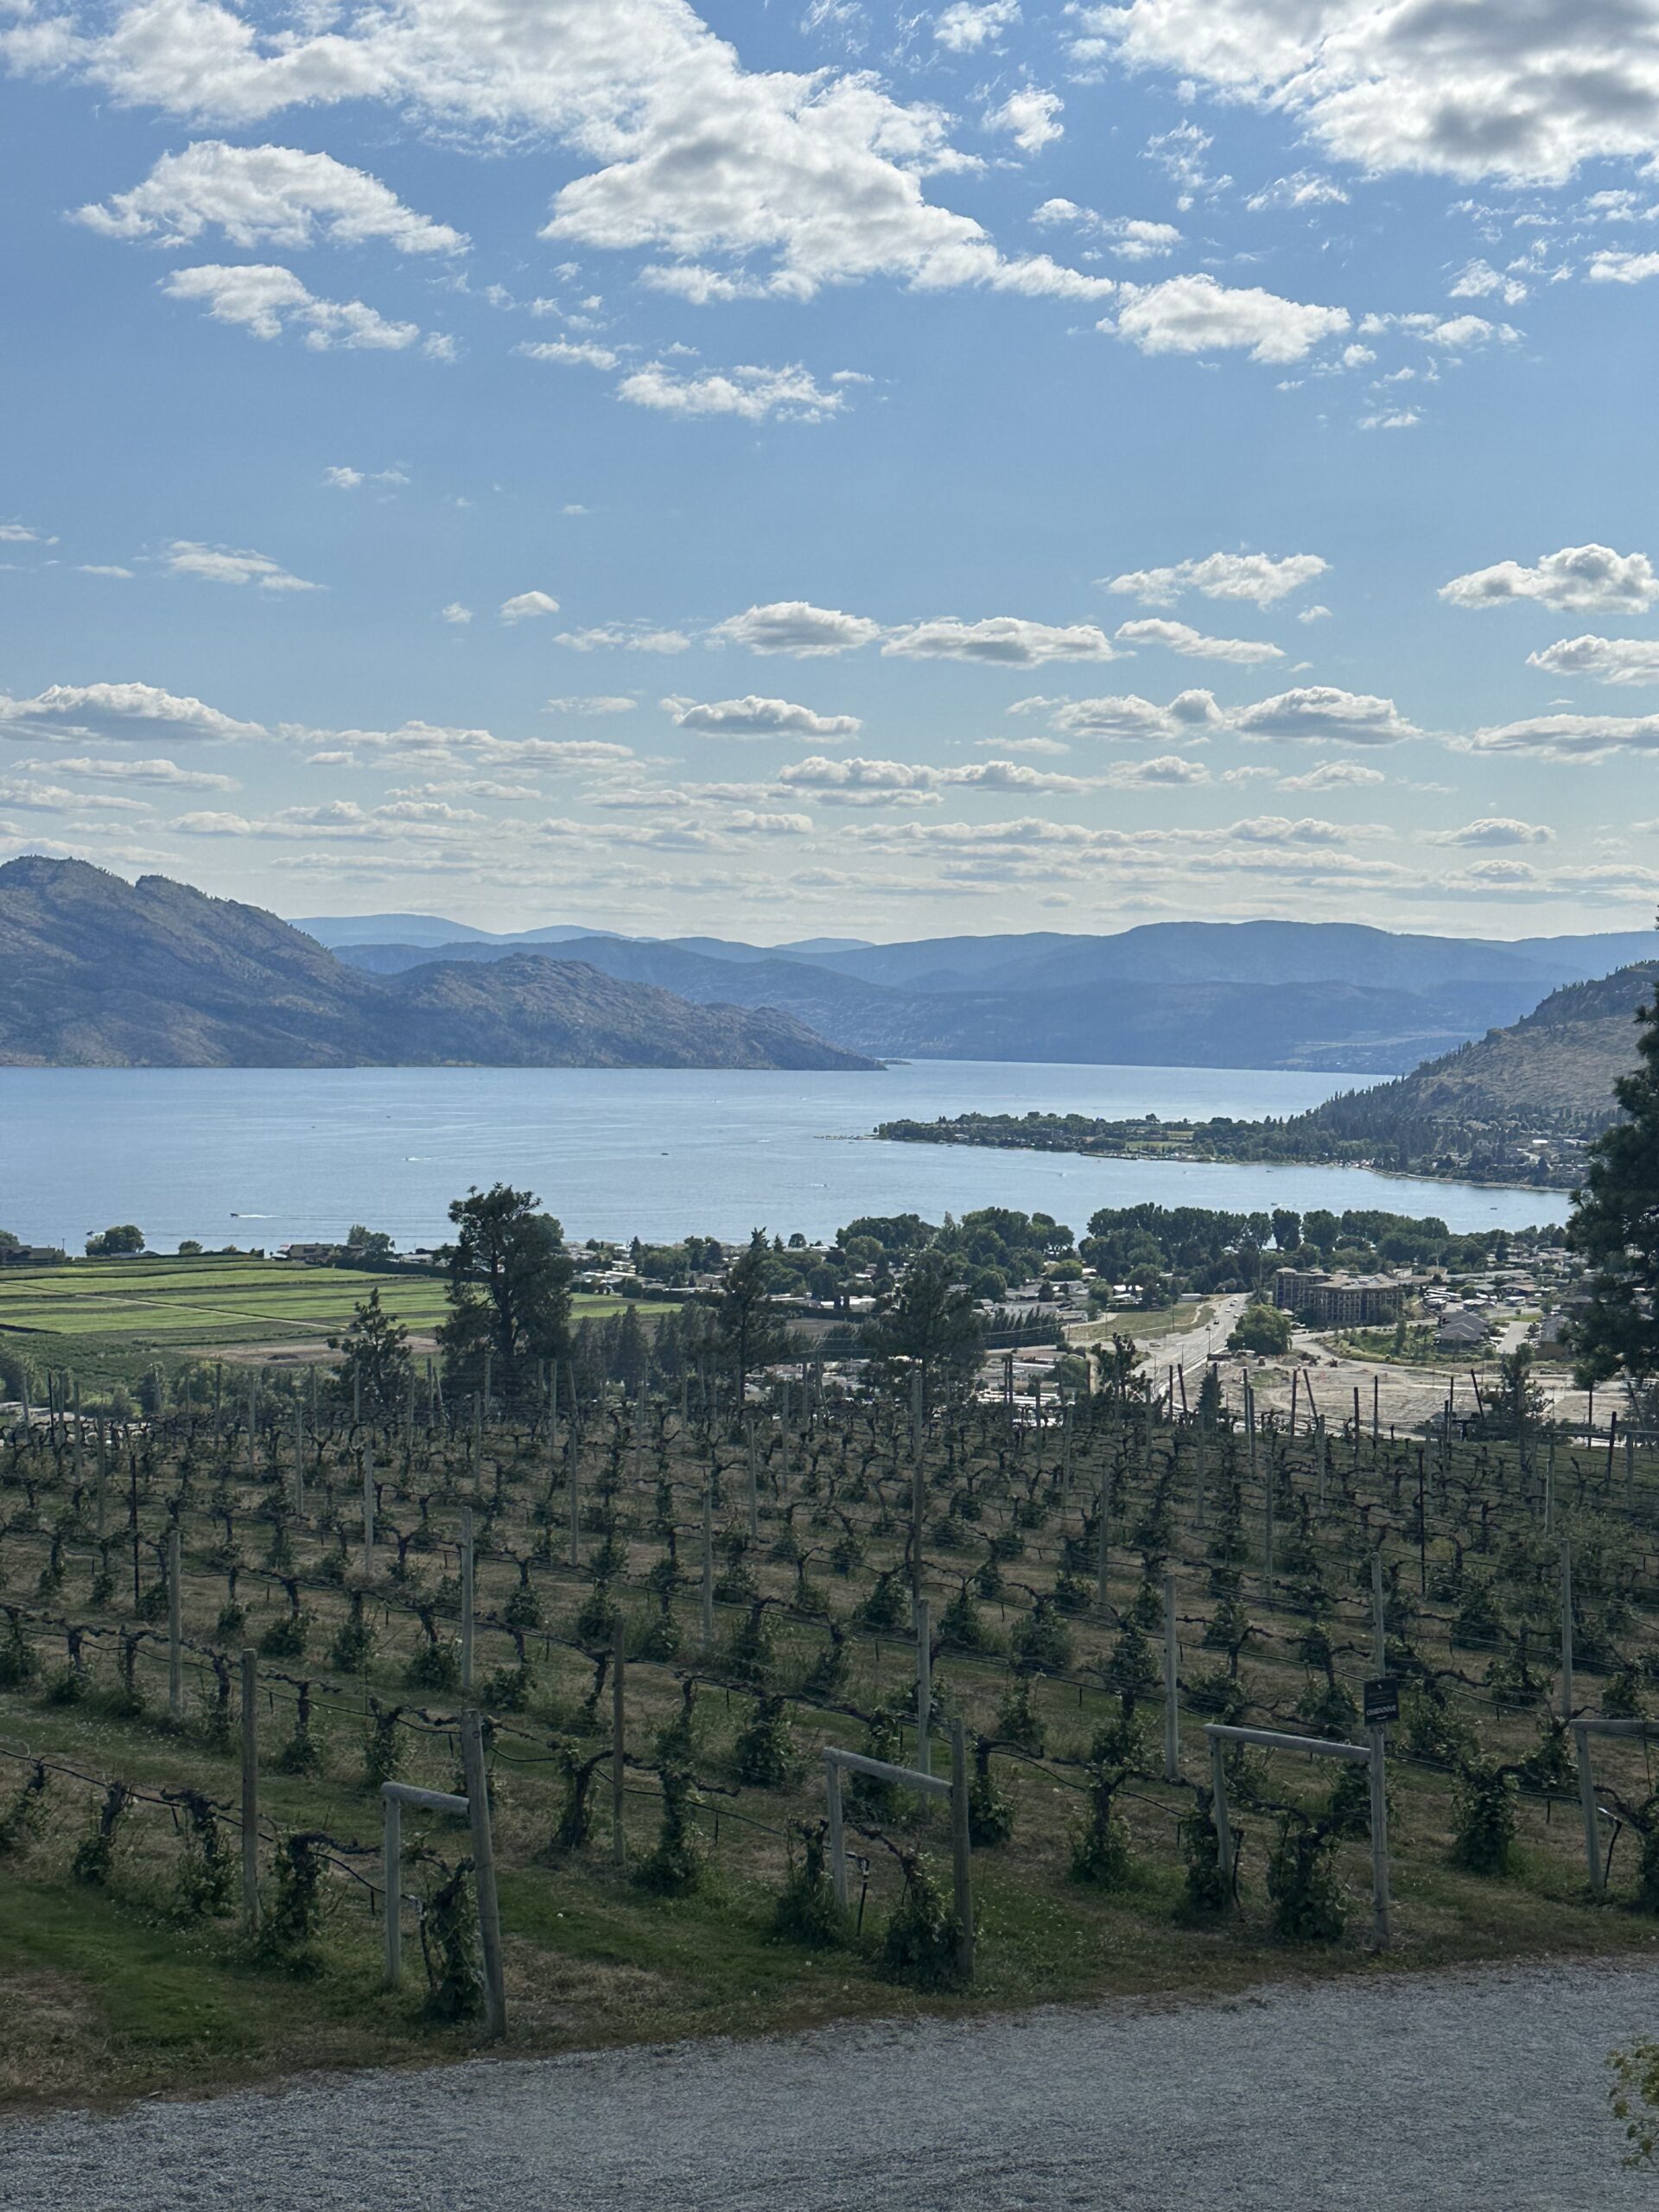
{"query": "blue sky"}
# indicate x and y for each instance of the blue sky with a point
(782, 470)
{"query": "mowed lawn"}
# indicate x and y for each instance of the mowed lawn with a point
(213, 1301)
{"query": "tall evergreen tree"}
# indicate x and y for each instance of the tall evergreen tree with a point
(928, 1321)
(1615, 1224)
(749, 1333)
(509, 1290)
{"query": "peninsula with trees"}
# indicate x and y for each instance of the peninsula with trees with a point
(1519, 1106)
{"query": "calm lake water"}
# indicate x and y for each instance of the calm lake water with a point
(260, 1156)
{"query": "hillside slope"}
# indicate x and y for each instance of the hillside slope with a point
(102, 973)
(1149, 1023)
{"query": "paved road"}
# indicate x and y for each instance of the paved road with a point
(1479, 2090)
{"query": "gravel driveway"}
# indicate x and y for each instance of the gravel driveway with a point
(1481, 2090)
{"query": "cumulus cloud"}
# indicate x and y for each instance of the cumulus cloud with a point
(754, 717)
(1306, 189)
(221, 564)
(579, 352)
(165, 774)
(1478, 280)
(1031, 118)
(624, 638)
(795, 625)
(1254, 576)
(1457, 333)
(1128, 237)
(1195, 314)
(789, 180)
(1579, 578)
(265, 195)
(66, 712)
(966, 25)
(1520, 94)
(1130, 719)
(1181, 637)
(1321, 714)
(751, 393)
(527, 606)
(1610, 660)
(1005, 639)
(456, 612)
(1614, 268)
(263, 298)
(1493, 830)
(1569, 737)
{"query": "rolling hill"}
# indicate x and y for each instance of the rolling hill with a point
(102, 973)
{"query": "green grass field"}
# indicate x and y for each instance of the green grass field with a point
(163, 1303)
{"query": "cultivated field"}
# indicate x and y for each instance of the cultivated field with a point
(658, 1911)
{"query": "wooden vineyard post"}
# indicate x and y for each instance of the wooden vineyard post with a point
(249, 1790)
(835, 1836)
(619, 1752)
(924, 1688)
(1172, 1686)
(391, 1862)
(467, 1599)
(175, 1647)
(962, 1851)
(368, 1513)
(1566, 1629)
(918, 1481)
(708, 1567)
(489, 1911)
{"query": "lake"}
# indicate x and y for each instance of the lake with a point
(259, 1156)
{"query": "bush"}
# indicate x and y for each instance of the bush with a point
(764, 1754)
(1484, 1809)
(1307, 1900)
(918, 1945)
(675, 1868)
(1208, 1890)
(990, 1810)
(454, 1976)
(806, 1911)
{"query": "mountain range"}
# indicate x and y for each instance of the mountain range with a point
(1337, 996)
(102, 973)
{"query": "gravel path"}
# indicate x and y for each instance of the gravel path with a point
(1481, 2090)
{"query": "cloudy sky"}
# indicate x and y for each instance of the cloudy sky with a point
(820, 467)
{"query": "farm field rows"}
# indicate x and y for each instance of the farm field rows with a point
(213, 1301)
(1093, 1870)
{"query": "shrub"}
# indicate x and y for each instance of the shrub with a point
(764, 1754)
(1484, 1809)
(1208, 1890)
(918, 1945)
(675, 1868)
(1307, 1900)
(990, 1810)
(454, 1977)
(806, 1911)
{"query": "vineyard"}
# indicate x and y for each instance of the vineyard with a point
(666, 1607)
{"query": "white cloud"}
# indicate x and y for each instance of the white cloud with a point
(1253, 576)
(102, 568)
(164, 774)
(753, 717)
(1129, 237)
(1478, 280)
(1306, 189)
(817, 177)
(749, 393)
(527, 606)
(265, 195)
(1610, 268)
(1610, 660)
(1319, 614)
(456, 612)
(624, 637)
(1005, 639)
(1195, 314)
(344, 479)
(1493, 830)
(263, 297)
(220, 564)
(966, 25)
(577, 352)
(794, 625)
(1030, 118)
(1326, 776)
(1457, 333)
(66, 712)
(1569, 737)
(1321, 714)
(594, 704)
(208, 824)
(1519, 93)
(1181, 637)
(1578, 578)
(1129, 719)
(1393, 418)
